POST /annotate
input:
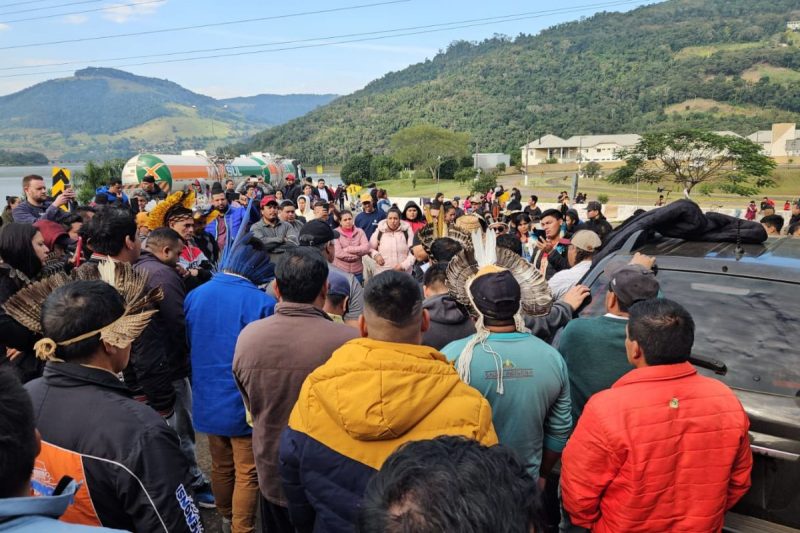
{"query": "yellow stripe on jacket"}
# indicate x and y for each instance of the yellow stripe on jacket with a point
(372, 396)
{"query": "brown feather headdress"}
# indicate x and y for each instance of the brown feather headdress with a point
(26, 305)
(429, 233)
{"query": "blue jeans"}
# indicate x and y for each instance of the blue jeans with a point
(185, 430)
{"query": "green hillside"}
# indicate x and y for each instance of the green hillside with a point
(101, 113)
(609, 73)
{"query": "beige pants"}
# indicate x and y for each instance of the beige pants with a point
(370, 267)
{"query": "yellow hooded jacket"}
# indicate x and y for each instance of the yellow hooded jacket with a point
(369, 398)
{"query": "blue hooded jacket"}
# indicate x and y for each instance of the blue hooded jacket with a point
(112, 198)
(216, 312)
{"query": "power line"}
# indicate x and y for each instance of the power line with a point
(42, 17)
(25, 3)
(497, 19)
(48, 7)
(483, 22)
(201, 26)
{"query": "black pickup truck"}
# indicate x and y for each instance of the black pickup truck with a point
(746, 304)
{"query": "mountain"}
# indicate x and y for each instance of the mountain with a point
(719, 64)
(103, 112)
(276, 109)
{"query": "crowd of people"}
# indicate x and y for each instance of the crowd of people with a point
(371, 369)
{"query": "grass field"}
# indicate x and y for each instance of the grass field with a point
(775, 74)
(548, 186)
(709, 50)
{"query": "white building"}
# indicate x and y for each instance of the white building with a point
(490, 161)
(781, 141)
(577, 148)
(793, 25)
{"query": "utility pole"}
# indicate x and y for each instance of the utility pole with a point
(527, 142)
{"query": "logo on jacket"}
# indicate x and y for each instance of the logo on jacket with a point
(190, 512)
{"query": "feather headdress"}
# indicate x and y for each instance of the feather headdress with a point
(483, 259)
(159, 216)
(429, 233)
(26, 305)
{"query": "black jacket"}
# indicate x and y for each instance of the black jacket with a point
(15, 335)
(127, 457)
(449, 321)
(599, 225)
(149, 372)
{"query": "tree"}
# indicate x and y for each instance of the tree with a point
(592, 169)
(485, 182)
(357, 169)
(428, 146)
(383, 167)
(691, 157)
(94, 176)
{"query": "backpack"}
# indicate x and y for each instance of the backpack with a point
(380, 234)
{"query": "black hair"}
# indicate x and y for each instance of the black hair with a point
(436, 275)
(555, 213)
(775, 221)
(535, 198)
(114, 181)
(161, 237)
(394, 296)
(16, 248)
(396, 211)
(510, 242)
(434, 485)
(17, 435)
(76, 309)
(420, 215)
(85, 209)
(300, 274)
(106, 231)
(664, 330)
(793, 228)
(582, 255)
(101, 199)
(336, 299)
(444, 249)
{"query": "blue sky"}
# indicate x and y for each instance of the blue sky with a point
(335, 68)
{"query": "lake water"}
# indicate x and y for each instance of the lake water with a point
(11, 179)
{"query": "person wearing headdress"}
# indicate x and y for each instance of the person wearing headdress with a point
(202, 239)
(216, 313)
(523, 378)
(126, 460)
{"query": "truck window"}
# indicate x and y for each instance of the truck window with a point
(751, 325)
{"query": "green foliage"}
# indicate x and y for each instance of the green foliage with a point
(357, 169)
(501, 167)
(602, 198)
(448, 169)
(464, 175)
(22, 158)
(383, 167)
(592, 169)
(486, 182)
(610, 73)
(688, 158)
(94, 176)
(551, 161)
(429, 147)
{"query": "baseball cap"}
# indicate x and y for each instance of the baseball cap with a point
(269, 200)
(366, 197)
(338, 284)
(632, 283)
(149, 179)
(496, 295)
(316, 233)
(586, 240)
(290, 177)
(456, 198)
(594, 206)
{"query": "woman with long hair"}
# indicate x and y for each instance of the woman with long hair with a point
(351, 246)
(522, 228)
(11, 203)
(22, 257)
(414, 216)
(391, 244)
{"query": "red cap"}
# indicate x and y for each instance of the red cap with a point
(289, 177)
(268, 199)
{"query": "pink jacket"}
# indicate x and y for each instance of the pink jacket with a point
(393, 246)
(349, 251)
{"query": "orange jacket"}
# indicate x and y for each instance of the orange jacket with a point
(663, 450)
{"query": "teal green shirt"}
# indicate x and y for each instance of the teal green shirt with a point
(594, 349)
(534, 411)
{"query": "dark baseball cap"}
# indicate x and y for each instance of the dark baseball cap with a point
(632, 283)
(594, 206)
(497, 295)
(316, 233)
(148, 179)
(338, 284)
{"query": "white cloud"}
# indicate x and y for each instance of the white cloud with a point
(122, 12)
(4, 27)
(75, 19)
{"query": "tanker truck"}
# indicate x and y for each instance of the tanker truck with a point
(176, 172)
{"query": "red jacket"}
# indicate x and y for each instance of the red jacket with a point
(663, 450)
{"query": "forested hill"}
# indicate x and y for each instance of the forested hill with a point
(721, 64)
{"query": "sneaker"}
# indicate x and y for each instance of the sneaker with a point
(204, 498)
